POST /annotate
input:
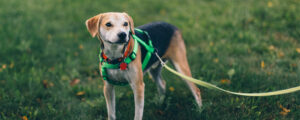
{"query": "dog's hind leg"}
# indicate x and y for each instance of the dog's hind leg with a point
(177, 54)
(109, 94)
(160, 83)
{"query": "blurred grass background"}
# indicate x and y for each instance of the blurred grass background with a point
(49, 63)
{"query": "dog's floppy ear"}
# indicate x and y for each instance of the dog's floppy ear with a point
(92, 24)
(130, 23)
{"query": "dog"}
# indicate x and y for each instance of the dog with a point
(115, 30)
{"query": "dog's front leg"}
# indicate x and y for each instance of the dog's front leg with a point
(109, 93)
(138, 87)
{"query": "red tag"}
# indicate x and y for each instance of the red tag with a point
(123, 66)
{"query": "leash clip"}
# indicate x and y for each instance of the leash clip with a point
(161, 61)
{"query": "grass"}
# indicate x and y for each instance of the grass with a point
(45, 46)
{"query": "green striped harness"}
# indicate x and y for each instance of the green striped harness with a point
(105, 65)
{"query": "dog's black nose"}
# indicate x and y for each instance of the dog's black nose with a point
(122, 36)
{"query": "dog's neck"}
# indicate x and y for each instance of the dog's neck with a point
(114, 51)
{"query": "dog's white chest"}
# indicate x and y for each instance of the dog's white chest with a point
(122, 75)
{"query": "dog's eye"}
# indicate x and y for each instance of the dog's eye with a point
(125, 23)
(108, 24)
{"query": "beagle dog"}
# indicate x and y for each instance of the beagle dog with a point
(114, 30)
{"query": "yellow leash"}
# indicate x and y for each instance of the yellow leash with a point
(211, 86)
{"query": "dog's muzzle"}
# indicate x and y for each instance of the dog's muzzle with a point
(122, 37)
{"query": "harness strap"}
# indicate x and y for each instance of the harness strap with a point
(149, 47)
(133, 54)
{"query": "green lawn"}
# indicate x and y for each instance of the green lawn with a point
(44, 46)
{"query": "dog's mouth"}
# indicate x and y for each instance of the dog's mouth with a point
(120, 42)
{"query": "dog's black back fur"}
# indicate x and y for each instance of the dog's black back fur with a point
(161, 34)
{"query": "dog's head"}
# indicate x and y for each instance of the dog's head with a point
(111, 27)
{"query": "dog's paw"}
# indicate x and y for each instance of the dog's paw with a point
(199, 103)
(159, 99)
